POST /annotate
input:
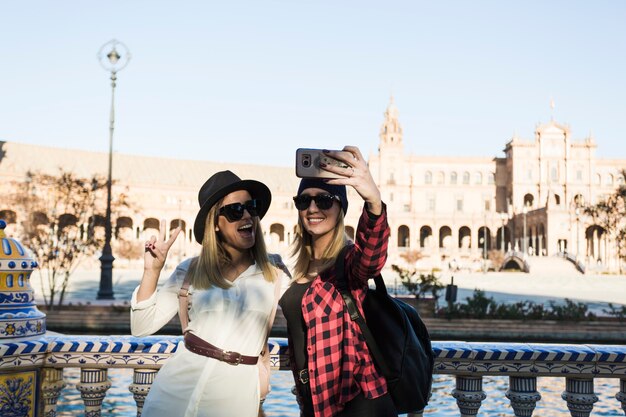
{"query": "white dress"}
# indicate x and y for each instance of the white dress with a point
(233, 319)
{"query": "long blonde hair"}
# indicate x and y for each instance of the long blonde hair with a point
(302, 248)
(206, 269)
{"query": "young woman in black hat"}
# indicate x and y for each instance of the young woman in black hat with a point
(233, 287)
(333, 369)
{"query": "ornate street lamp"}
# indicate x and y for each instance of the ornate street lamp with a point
(113, 57)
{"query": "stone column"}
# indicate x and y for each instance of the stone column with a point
(142, 381)
(93, 388)
(51, 389)
(469, 394)
(579, 396)
(523, 395)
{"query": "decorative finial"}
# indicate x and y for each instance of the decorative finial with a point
(552, 108)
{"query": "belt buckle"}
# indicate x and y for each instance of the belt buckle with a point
(303, 376)
(232, 358)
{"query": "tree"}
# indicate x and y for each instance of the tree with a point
(420, 286)
(610, 214)
(62, 224)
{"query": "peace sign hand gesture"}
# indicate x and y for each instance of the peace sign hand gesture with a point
(154, 259)
(157, 249)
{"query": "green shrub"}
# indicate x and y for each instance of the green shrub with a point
(619, 313)
(479, 306)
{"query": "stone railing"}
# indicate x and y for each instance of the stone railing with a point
(469, 362)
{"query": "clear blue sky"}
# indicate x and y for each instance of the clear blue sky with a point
(250, 81)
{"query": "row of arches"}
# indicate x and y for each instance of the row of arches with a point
(592, 243)
(427, 239)
(123, 226)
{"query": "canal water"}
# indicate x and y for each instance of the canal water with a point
(281, 402)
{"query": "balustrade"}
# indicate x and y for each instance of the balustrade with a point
(579, 365)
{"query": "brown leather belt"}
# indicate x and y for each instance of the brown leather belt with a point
(200, 346)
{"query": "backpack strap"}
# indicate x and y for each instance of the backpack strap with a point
(183, 302)
(355, 314)
(278, 263)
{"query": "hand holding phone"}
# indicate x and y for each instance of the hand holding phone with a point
(308, 164)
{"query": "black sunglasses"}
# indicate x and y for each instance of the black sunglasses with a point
(234, 212)
(322, 201)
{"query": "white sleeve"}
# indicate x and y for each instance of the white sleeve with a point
(148, 316)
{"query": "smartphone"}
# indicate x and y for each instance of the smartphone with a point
(308, 164)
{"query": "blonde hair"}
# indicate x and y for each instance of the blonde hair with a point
(302, 248)
(206, 269)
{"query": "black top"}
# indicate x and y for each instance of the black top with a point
(291, 304)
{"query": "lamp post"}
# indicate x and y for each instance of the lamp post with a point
(111, 60)
(503, 217)
(524, 211)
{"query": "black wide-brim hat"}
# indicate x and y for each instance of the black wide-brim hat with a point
(220, 185)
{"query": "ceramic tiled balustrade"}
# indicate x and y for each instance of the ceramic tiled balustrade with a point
(469, 362)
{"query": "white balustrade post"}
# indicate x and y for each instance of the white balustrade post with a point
(469, 394)
(621, 395)
(142, 381)
(93, 387)
(579, 396)
(51, 389)
(523, 395)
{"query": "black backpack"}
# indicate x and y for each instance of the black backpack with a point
(397, 339)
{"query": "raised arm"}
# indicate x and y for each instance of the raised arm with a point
(369, 254)
(153, 260)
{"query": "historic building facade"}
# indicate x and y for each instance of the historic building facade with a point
(448, 208)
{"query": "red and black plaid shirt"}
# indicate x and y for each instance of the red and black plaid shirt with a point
(340, 364)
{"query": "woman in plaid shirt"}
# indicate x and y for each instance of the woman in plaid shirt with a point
(332, 365)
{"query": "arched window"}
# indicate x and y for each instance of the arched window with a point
(425, 236)
(428, 177)
(529, 200)
(277, 232)
(404, 237)
(466, 178)
(441, 178)
(478, 178)
(453, 178)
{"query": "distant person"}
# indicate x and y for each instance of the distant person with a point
(232, 294)
(332, 365)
